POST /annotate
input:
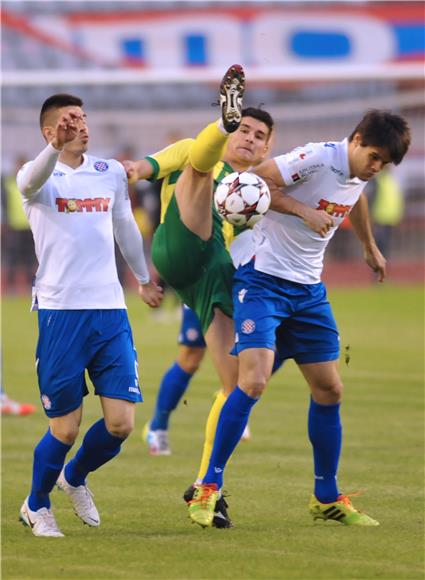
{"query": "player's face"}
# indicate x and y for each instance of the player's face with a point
(366, 161)
(80, 143)
(248, 145)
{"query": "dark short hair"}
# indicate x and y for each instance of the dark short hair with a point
(260, 115)
(57, 102)
(384, 129)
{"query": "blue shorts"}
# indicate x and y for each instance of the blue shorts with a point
(71, 341)
(190, 330)
(295, 319)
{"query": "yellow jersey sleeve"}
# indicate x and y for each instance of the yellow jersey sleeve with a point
(167, 165)
(175, 157)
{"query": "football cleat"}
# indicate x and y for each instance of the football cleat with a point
(202, 506)
(42, 522)
(341, 510)
(82, 500)
(231, 91)
(157, 441)
(9, 407)
(221, 518)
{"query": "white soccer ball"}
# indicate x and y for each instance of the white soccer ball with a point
(242, 198)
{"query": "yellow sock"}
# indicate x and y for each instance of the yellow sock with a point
(210, 430)
(208, 148)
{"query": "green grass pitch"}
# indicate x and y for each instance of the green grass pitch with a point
(145, 531)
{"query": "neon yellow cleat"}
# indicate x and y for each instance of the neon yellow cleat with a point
(202, 506)
(341, 510)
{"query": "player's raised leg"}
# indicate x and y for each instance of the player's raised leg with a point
(194, 188)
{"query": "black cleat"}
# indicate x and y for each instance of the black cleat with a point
(188, 494)
(231, 91)
(221, 517)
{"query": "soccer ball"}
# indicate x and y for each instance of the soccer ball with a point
(242, 198)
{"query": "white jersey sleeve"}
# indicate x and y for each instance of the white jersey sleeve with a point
(34, 174)
(126, 231)
(301, 164)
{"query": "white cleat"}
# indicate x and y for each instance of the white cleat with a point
(82, 500)
(157, 441)
(42, 522)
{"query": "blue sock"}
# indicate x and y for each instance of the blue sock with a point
(98, 447)
(49, 457)
(173, 385)
(325, 432)
(231, 424)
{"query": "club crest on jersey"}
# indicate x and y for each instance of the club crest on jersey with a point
(335, 209)
(101, 166)
(87, 205)
(248, 326)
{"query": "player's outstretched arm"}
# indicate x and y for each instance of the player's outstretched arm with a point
(35, 174)
(318, 220)
(360, 221)
(137, 170)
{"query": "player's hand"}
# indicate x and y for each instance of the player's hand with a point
(66, 129)
(376, 261)
(319, 221)
(131, 170)
(151, 294)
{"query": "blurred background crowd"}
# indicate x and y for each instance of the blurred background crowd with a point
(148, 72)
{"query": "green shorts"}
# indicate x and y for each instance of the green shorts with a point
(201, 272)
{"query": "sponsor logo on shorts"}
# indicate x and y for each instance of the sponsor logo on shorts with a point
(192, 334)
(46, 402)
(101, 166)
(241, 295)
(134, 390)
(248, 326)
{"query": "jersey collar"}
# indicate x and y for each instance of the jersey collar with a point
(345, 165)
(67, 169)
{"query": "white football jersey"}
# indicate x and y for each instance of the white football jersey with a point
(317, 175)
(71, 219)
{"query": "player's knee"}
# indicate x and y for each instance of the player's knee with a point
(254, 387)
(329, 392)
(190, 359)
(65, 433)
(121, 428)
